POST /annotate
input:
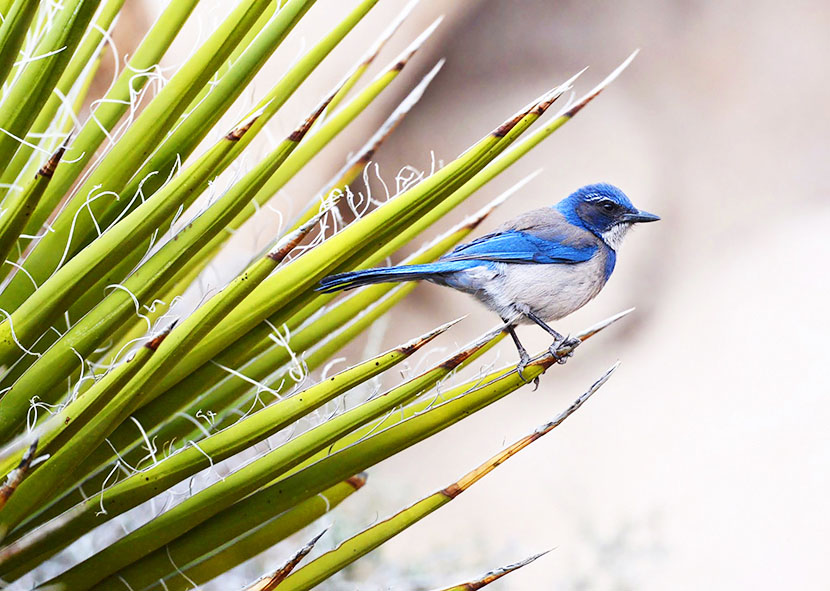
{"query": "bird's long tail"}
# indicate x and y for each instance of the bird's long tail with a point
(352, 279)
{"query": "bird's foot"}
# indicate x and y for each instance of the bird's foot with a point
(564, 349)
(524, 359)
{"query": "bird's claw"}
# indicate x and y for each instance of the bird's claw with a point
(524, 359)
(558, 347)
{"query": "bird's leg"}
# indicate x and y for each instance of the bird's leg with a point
(524, 358)
(558, 340)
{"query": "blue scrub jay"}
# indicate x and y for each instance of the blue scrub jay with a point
(538, 267)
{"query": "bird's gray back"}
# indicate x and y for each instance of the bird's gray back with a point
(548, 224)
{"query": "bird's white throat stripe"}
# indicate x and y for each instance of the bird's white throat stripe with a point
(615, 235)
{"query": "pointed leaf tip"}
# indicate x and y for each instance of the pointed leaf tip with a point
(413, 47)
(546, 359)
(575, 405)
(602, 325)
(369, 149)
(48, 169)
(503, 571)
(605, 377)
(375, 49)
(572, 110)
(271, 582)
(551, 96)
(290, 241)
(417, 343)
(317, 538)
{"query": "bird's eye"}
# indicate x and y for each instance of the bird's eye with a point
(608, 206)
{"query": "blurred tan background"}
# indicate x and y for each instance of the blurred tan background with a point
(705, 461)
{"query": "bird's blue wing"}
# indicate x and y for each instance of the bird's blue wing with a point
(520, 247)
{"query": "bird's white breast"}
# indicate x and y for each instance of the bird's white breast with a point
(549, 291)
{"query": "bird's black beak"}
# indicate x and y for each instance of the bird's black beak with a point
(640, 217)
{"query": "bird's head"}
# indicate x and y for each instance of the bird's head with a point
(604, 210)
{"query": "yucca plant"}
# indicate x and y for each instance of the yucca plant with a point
(110, 398)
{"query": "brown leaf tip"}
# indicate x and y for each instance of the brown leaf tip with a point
(290, 241)
(473, 222)
(543, 106)
(48, 169)
(417, 343)
(154, 343)
(458, 358)
(498, 574)
(358, 481)
(280, 253)
(401, 64)
(503, 129)
(464, 355)
(236, 134)
(581, 104)
(452, 490)
(299, 133)
(367, 155)
(412, 346)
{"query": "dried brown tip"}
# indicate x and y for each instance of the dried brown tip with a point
(289, 242)
(495, 575)
(541, 107)
(466, 481)
(503, 129)
(580, 104)
(536, 107)
(48, 169)
(270, 582)
(415, 344)
(551, 96)
(576, 404)
(17, 475)
(358, 481)
(385, 130)
(298, 134)
(154, 343)
(463, 355)
(236, 134)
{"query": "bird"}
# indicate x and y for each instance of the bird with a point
(535, 269)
